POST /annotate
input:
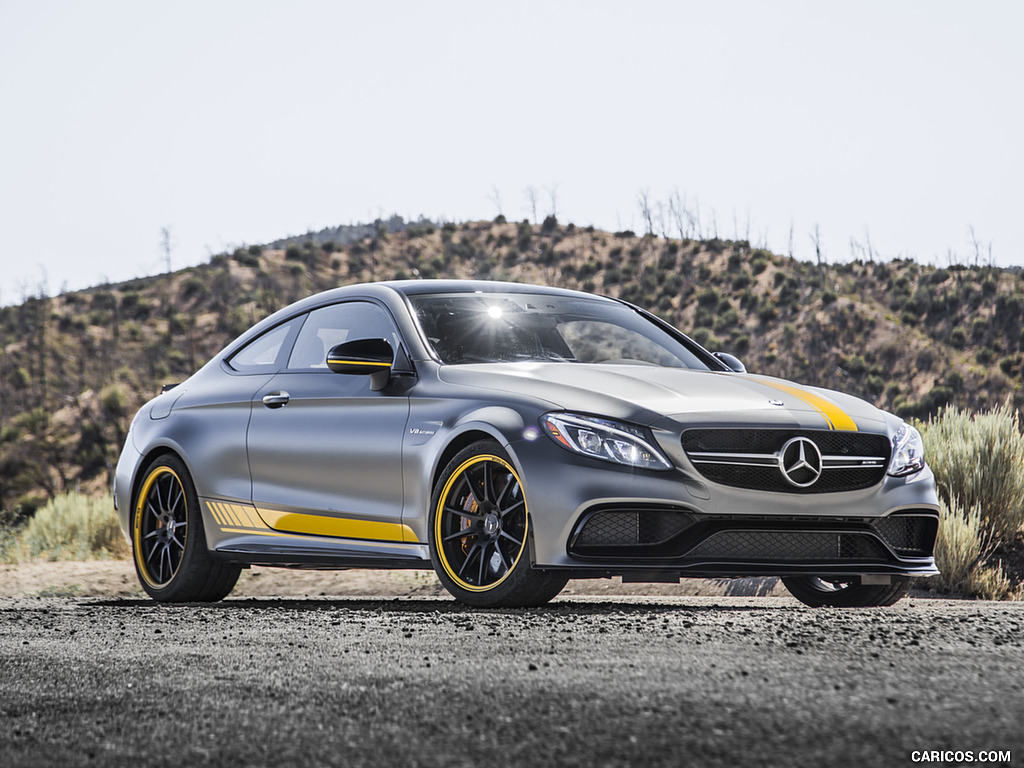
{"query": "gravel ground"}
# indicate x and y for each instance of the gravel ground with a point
(674, 681)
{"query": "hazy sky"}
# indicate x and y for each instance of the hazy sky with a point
(241, 122)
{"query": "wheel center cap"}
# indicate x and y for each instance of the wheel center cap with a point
(491, 524)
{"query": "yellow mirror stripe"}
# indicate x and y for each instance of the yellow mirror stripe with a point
(335, 361)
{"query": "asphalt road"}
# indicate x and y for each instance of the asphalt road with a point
(585, 681)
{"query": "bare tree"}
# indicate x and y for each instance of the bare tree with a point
(790, 248)
(976, 245)
(677, 212)
(643, 198)
(867, 245)
(662, 223)
(816, 239)
(553, 196)
(531, 200)
(495, 197)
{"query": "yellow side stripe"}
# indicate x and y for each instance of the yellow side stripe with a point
(239, 518)
(334, 361)
(834, 416)
(346, 528)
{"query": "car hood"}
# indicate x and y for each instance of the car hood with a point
(648, 395)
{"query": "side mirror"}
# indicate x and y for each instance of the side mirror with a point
(731, 362)
(363, 357)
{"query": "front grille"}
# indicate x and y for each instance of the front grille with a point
(785, 545)
(749, 458)
(618, 528)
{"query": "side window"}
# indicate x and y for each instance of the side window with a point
(261, 355)
(329, 326)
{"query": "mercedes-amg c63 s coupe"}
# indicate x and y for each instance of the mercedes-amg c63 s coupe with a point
(513, 437)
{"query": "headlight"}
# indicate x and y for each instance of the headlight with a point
(907, 452)
(604, 439)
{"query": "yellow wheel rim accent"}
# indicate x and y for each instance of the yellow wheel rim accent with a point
(439, 518)
(140, 509)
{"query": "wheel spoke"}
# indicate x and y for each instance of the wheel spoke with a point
(463, 513)
(177, 501)
(150, 535)
(159, 497)
(487, 482)
(509, 510)
(483, 562)
(472, 490)
(509, 482)
(463, 534)
(179, 544)
(166, 556)
(469, 556)
(512, 538)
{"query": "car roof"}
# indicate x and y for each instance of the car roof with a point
(419, 287)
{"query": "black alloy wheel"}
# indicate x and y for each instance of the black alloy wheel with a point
(479, 533)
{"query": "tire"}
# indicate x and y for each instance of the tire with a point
(818, 593)
(175, 567)
(480, 533)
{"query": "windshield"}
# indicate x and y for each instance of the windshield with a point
(507, 327)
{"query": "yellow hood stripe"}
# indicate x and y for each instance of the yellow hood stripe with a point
(835, 417)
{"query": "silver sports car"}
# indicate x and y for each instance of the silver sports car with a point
(513, 437)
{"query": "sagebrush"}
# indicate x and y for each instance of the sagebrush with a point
(978, 461)
(72, 526)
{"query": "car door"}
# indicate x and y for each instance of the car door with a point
(325, 451)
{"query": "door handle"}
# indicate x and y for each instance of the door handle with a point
(276, 399)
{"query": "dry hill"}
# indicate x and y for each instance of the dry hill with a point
(909, 338)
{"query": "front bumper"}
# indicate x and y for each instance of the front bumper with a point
(729, 531)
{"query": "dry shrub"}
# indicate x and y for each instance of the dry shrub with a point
(70, 527)
(962, 550)
(978, 461)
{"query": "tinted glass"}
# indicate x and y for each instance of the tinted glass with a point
(494, 327)
(329, 326)
(261, 354)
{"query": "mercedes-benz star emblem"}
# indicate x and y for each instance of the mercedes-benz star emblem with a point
(800, 462)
